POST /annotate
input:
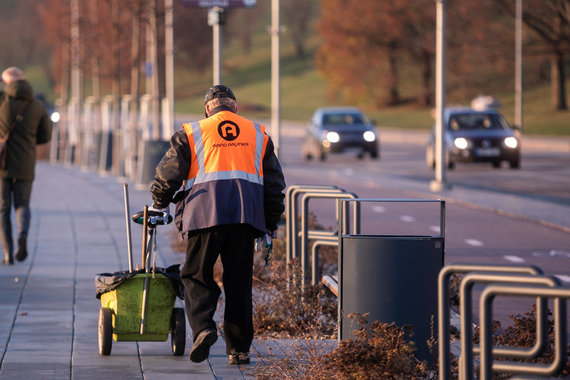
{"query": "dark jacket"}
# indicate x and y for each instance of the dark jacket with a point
(35, 128)
(175, 165)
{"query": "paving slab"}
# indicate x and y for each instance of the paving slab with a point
(48, 310)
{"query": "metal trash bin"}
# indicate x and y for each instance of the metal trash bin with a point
(393, 278)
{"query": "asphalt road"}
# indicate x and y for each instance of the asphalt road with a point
(473, 234)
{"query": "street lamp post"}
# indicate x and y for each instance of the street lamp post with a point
(76, 99)
(168, 127)
(518, 66)
(215, 21)
(440, 182)
(275, 77)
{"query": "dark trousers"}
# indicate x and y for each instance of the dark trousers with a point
(234, 244)
(20, 192)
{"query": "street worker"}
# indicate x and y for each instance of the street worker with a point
(232, 194)
(24, 123)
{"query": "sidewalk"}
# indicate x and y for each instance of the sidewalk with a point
(48, 309)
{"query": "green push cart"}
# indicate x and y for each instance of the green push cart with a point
(139, 305)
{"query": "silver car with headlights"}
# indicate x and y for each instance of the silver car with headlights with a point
(340, 130)
(476, 136)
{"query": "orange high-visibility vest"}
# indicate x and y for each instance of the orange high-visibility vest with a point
(225, 180)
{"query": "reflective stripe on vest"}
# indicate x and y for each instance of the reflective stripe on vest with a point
(202, 176)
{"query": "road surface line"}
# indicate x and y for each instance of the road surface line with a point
(474, 242)
(407, 218)
(378, 209)
(514, 259)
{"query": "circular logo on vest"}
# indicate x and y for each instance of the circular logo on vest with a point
(228, 130)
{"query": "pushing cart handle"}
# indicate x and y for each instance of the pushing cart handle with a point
(154, 218)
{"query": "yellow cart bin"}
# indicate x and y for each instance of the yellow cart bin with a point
(126, 303)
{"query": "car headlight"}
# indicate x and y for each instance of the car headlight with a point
(369, 136)
(511, 142)
(333, 137)
(461, 143)
(55, 117)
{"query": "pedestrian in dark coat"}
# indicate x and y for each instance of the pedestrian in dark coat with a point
(17, 102)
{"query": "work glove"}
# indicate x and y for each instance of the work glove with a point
(265, 244)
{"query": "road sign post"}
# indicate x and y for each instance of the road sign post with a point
(219, 3)
(216, 18)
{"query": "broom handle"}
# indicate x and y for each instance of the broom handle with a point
(145, 231)
(128, 223)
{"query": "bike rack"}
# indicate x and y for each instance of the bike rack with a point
(292, 231)
(467, 346)
(520, 276)
(297, 237)
(323, 237)
(560, 329)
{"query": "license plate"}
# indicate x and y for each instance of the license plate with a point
(488, 152)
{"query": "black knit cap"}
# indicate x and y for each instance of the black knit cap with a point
(218, 91)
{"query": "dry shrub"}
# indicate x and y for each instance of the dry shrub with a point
(454, 285)
(433, 345)
(177, 244)
(298, 359)
(522, 333)
(284, 308)
(380, 351)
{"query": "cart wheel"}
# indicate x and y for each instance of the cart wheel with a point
(178, 334)
(105, 330)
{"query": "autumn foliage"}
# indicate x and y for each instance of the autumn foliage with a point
(372, 49)
(374, 53)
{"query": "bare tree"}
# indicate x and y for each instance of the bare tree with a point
(21, 44)
(242, 24)
(95, 50)
(297, 16)
(55, 20)
(550, 21)
(418, 34)
(363, 44)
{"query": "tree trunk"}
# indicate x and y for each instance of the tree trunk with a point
(152, 54)
(135, 76)
(299, 48)
(558, 81)
(427, 79)
(116, 89)
(95, 65)
(394, 77)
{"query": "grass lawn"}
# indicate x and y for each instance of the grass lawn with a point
(303, 89)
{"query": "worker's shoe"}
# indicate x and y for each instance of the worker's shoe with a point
(202, 344)
(22, 250)
(238, 358)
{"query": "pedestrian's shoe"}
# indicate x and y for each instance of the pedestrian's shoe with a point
(238, 358)
(202, 344)
(8, 261)
(22, 250)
